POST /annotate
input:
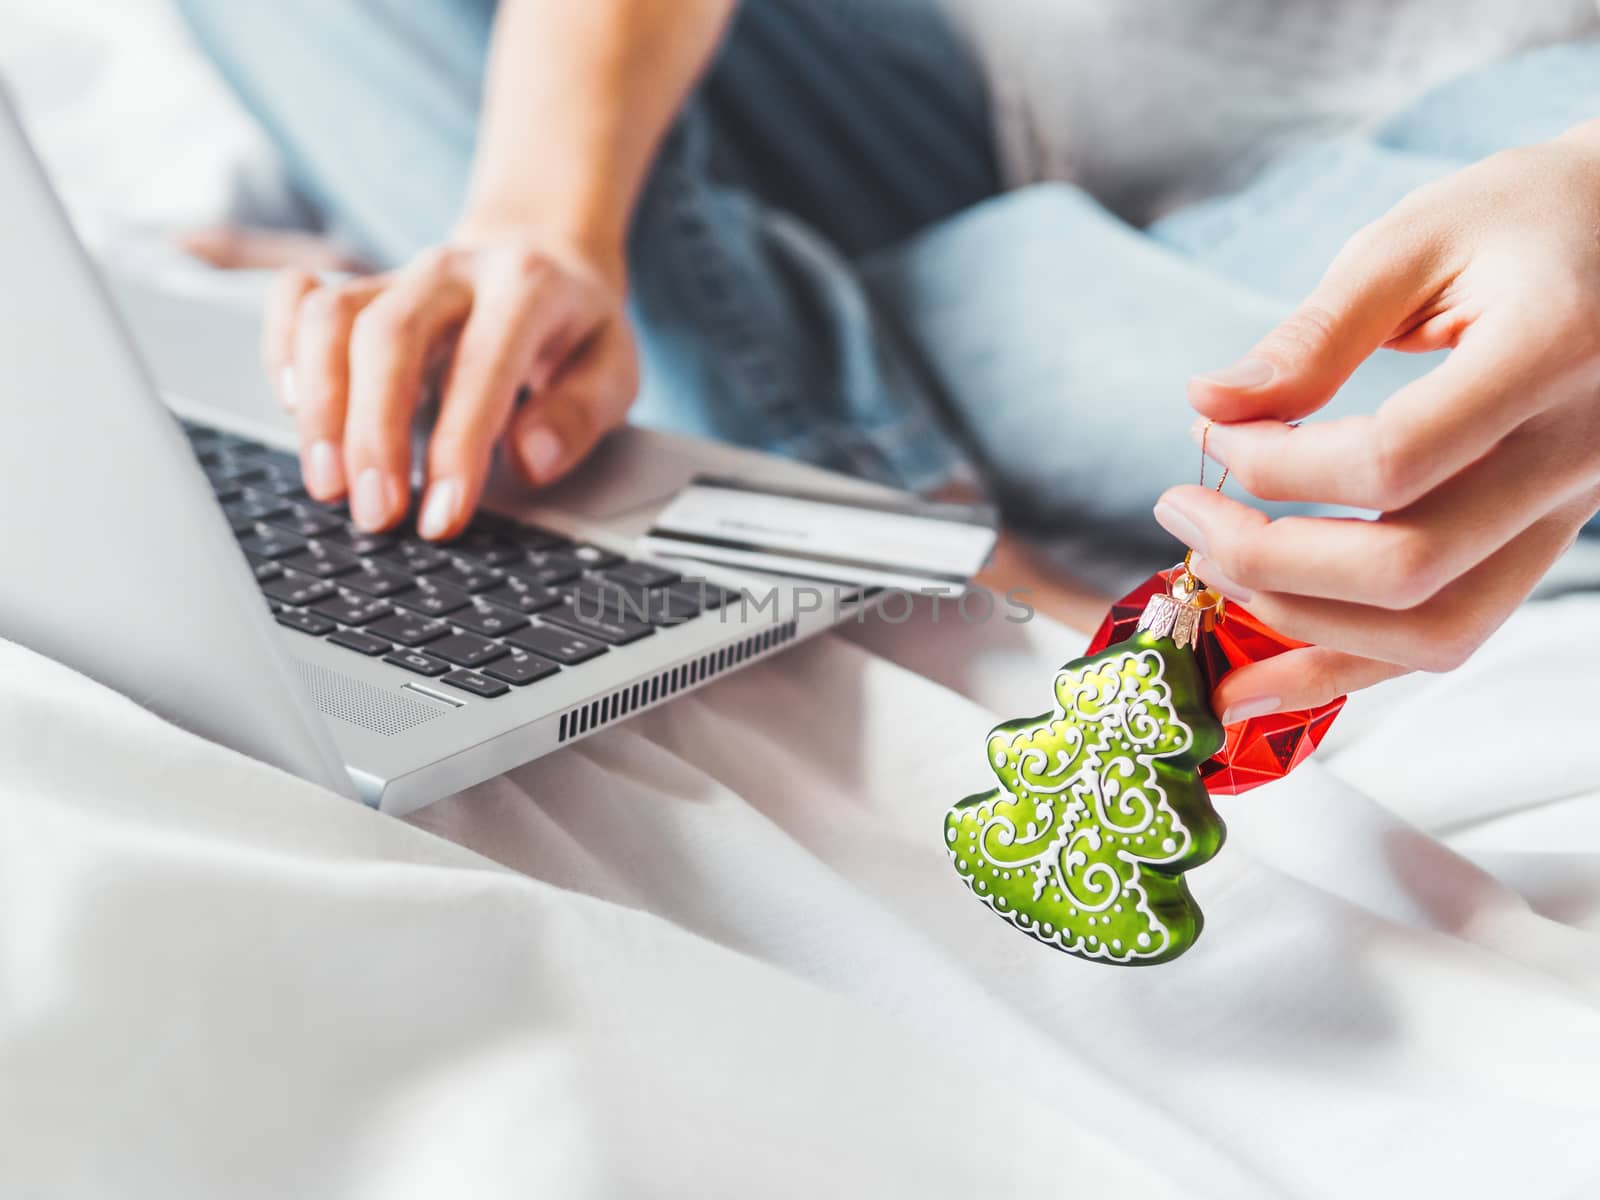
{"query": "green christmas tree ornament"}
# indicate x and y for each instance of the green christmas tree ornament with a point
(1100, 808)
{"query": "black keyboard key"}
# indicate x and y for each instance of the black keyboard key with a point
(417, 661)
(586, 602)
(659, 606)
(409, 629)
(305, 622)
(469, 681)
(587, 620)
(282, 477)
(308, 521)
(670, 608)
(279, 462)
(705, 593)
(226, 492)
(597, 596)
(255, 506)
(376, 579)
(323, 561)
(690, 599)
(361, 643)
(266, 570)
(353, 610)
(418, 557)
(266, 542)
(289, 489)
(490, 546)
(595, 558)
(520, 669)
(467, 575)
(522, 596)
(226, 470)
(359, 541)
(558, 645)
(488, 529)
(545, 570)
(489, 620)
(467, 649)
(432, 599)
(532, 538)
(298, 590)
(641, 575)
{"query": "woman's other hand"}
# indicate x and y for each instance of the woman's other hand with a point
(1483, 470)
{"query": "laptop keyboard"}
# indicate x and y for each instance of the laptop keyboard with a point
(502, 607)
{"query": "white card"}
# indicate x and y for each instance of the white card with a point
(906, 543)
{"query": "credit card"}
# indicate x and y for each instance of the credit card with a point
(906, 543)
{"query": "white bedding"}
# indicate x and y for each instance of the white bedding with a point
(732, 958)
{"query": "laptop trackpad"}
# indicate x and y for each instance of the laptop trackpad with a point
(630, 470)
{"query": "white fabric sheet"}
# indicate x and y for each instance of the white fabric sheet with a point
(731, 957)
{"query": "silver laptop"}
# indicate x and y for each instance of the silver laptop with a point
(174, 557)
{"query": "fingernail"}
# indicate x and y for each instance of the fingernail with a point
(324, 470)
(1246, 373)
(1256, 706)
(1214, 579)
(1180, 526)
(371, 502)
(439, 509)
(286, 388)
(541, 451)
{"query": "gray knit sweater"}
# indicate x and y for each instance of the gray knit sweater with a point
(1152, 103)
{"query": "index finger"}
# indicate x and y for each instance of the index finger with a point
(515, 325)
(1372, 290)
(388, 349)
(1426, 432)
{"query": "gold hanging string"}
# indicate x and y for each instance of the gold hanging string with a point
(1205, 436)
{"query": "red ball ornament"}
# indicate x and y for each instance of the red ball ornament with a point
(1260, 749)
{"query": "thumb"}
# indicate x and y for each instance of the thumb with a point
(1370, 294)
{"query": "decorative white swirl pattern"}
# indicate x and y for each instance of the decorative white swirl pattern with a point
(1086, 776)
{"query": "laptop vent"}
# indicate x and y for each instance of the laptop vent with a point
(586, 718)
(362, 705)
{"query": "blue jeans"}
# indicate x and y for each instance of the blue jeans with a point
(824, 266)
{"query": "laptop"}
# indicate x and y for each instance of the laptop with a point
(164, 546)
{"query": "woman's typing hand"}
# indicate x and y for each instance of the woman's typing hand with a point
(526, 299)
(1483, 470)
(533, 348)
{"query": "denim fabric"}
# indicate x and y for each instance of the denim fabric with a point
(824, 130)
(822, 266)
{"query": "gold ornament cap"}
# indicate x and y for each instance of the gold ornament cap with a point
(1187, 610)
